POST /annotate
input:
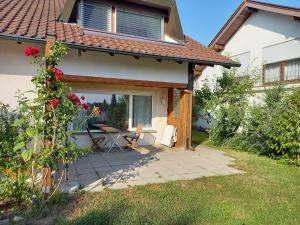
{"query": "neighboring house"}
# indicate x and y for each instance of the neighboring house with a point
(130, 56)
(259, 35)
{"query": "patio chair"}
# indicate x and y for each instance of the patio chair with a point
(133, 138)
(96, 140)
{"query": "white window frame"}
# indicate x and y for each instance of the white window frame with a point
(131, 127)
(130, 114)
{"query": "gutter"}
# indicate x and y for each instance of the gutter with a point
(113, 51)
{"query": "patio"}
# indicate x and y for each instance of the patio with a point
(149, 165)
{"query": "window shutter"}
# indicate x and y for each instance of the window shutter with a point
(140, 25)
(95, 15)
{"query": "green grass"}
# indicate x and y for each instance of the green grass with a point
(199, 137)
(268, 194)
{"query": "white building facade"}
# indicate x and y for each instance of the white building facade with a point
(267, 40)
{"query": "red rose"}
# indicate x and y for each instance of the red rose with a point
(23, 162)
(58, 73)
(54, 102)
(74, 98)
(35, 51)
(85, 106)
(31, 51)
(82, 98)
(28, 51)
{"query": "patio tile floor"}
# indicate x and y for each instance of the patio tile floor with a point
(149, 165)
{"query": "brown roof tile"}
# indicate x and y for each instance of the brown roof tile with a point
(39, 18)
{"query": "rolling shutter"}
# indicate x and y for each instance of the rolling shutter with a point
(140, 25)
(95, 15)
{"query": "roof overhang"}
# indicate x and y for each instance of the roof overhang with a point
(173, 24)
(110, 51)
(243, 12)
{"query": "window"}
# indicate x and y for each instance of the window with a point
(114, 111)
(272, 72)
(140, 25)
(142, 111)
(292, 70)
(283, 71)
(95, 15)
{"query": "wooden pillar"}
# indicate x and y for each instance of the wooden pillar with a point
(188, 109)
(47, 172)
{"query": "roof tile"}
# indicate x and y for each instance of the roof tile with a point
(39, 18)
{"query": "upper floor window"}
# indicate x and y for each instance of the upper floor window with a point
(282, 71)
(95, 15)
(138, 24)
(292, 70)
(101, 16)
(272, 72)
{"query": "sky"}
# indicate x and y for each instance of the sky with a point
(202, 19)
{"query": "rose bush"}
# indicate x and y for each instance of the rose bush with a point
(40, 136)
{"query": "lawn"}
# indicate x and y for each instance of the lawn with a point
(268, 194)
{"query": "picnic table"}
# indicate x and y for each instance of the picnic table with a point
(113, 133)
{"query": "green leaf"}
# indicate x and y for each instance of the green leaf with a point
(17, 123)
(31, 132)
(27, 154)
(19, 146)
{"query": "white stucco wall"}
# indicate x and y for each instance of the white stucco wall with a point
(123, 67)
(267, 37)
(261, 35)
(15, 70)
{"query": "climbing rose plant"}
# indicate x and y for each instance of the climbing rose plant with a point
(43, 138)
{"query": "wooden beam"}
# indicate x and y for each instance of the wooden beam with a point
(113, 20)
(191, 72)
(117, 81)
(218, 47)
(251, 10)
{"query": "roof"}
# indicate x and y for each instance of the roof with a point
(37, 19)
(242, 13)
(172, 26)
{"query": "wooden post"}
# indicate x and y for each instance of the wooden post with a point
(188, 102)
(47, 172)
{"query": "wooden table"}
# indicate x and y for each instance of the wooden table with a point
(113, 133)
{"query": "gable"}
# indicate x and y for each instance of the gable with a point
(262, 29)
(246, 10)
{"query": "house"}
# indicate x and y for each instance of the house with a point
(260, 35)
(128, 57)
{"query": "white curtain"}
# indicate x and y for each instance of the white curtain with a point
(142, 110)
(292, 70)
(272, 72)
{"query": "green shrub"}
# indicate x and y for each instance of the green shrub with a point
(13, 185)
(273, 129)
(227, 103)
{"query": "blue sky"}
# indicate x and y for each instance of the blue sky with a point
(202, 19)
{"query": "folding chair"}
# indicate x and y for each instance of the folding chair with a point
(96, 140)
(133, 138)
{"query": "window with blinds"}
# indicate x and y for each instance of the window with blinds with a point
(95, 15)
(140, 25)
(292, 70)
(272, 72)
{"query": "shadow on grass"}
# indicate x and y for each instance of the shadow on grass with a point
(66, 209)
(121, 214)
